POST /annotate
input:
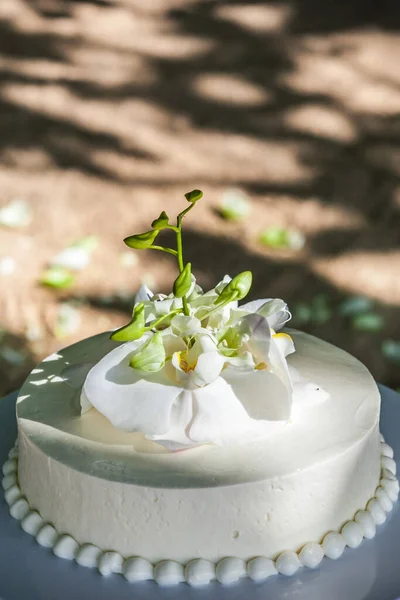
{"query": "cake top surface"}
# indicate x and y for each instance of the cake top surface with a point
(49, 412)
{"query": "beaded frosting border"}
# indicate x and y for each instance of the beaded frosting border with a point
(200, 572)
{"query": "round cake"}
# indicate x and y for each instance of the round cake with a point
(201, 441)
(123, 493)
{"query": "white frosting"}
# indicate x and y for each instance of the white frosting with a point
(32, 523)
(169, 572)
(367, 523)
(352, 534)
(273, 499)
(47, 536)
(88, 556)
(311, 555)
(110, 562)
(260, 568)
(333, 545)
(376, 510)
(384, 499)
(138, 569)
(288, 563)
(66, 547)
(230, 570)
(199, 572)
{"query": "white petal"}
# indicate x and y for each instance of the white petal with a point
(262, 393)
(223, 283)
(128, 402)
(242, 361)
(209, 366)
(278, 363)
(162, 307)
(205, 342)
(192, 286)
(85, 404)
(274, 310)
(144, 294)
(221, 419)
(181, 414)
(185, 326)
(284, 343)
(260, 336)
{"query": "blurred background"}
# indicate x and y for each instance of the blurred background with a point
(286, 114)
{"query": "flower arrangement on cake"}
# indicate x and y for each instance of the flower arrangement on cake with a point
(193, 362)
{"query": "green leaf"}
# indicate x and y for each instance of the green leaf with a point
(355, 305)
(162, 221)
(275, 237)
(368, 322)
(88, 243)
(230, 342)
(183, 282)
(57, 277)
(141, 240)
(302, 313)
(234, 206)
(134, 330)
(151, 356)
(391, 350)
(194, 196)
(279, 237)
(321, 312)
(236, 289)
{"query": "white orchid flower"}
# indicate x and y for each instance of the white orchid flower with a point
(199, 395)
(218, 375)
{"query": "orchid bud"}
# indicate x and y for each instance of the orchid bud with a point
(162, 221)
(151, 356)
(141, 240)
(194, 196)
(236, 289)
(134, 330)
(183, 282)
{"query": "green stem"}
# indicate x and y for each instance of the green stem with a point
(214, 310)
(169, 250)
(180, 253)
(162, 318)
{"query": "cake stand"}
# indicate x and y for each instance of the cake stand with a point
(370, 572)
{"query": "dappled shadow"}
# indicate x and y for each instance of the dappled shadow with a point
(16, 362)
(294, 102)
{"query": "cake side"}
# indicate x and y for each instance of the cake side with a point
(198, 572)
(244, 520)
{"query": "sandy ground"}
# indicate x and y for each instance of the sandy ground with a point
(111, 109)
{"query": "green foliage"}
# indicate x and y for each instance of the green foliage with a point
(134, 330)
(151, 356)
(142, 241)
(183, 282)
(57, 277)
(162, 222)
(194, 196)
(236, 289)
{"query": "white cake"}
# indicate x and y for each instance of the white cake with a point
(111, 496)
(200, 442)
